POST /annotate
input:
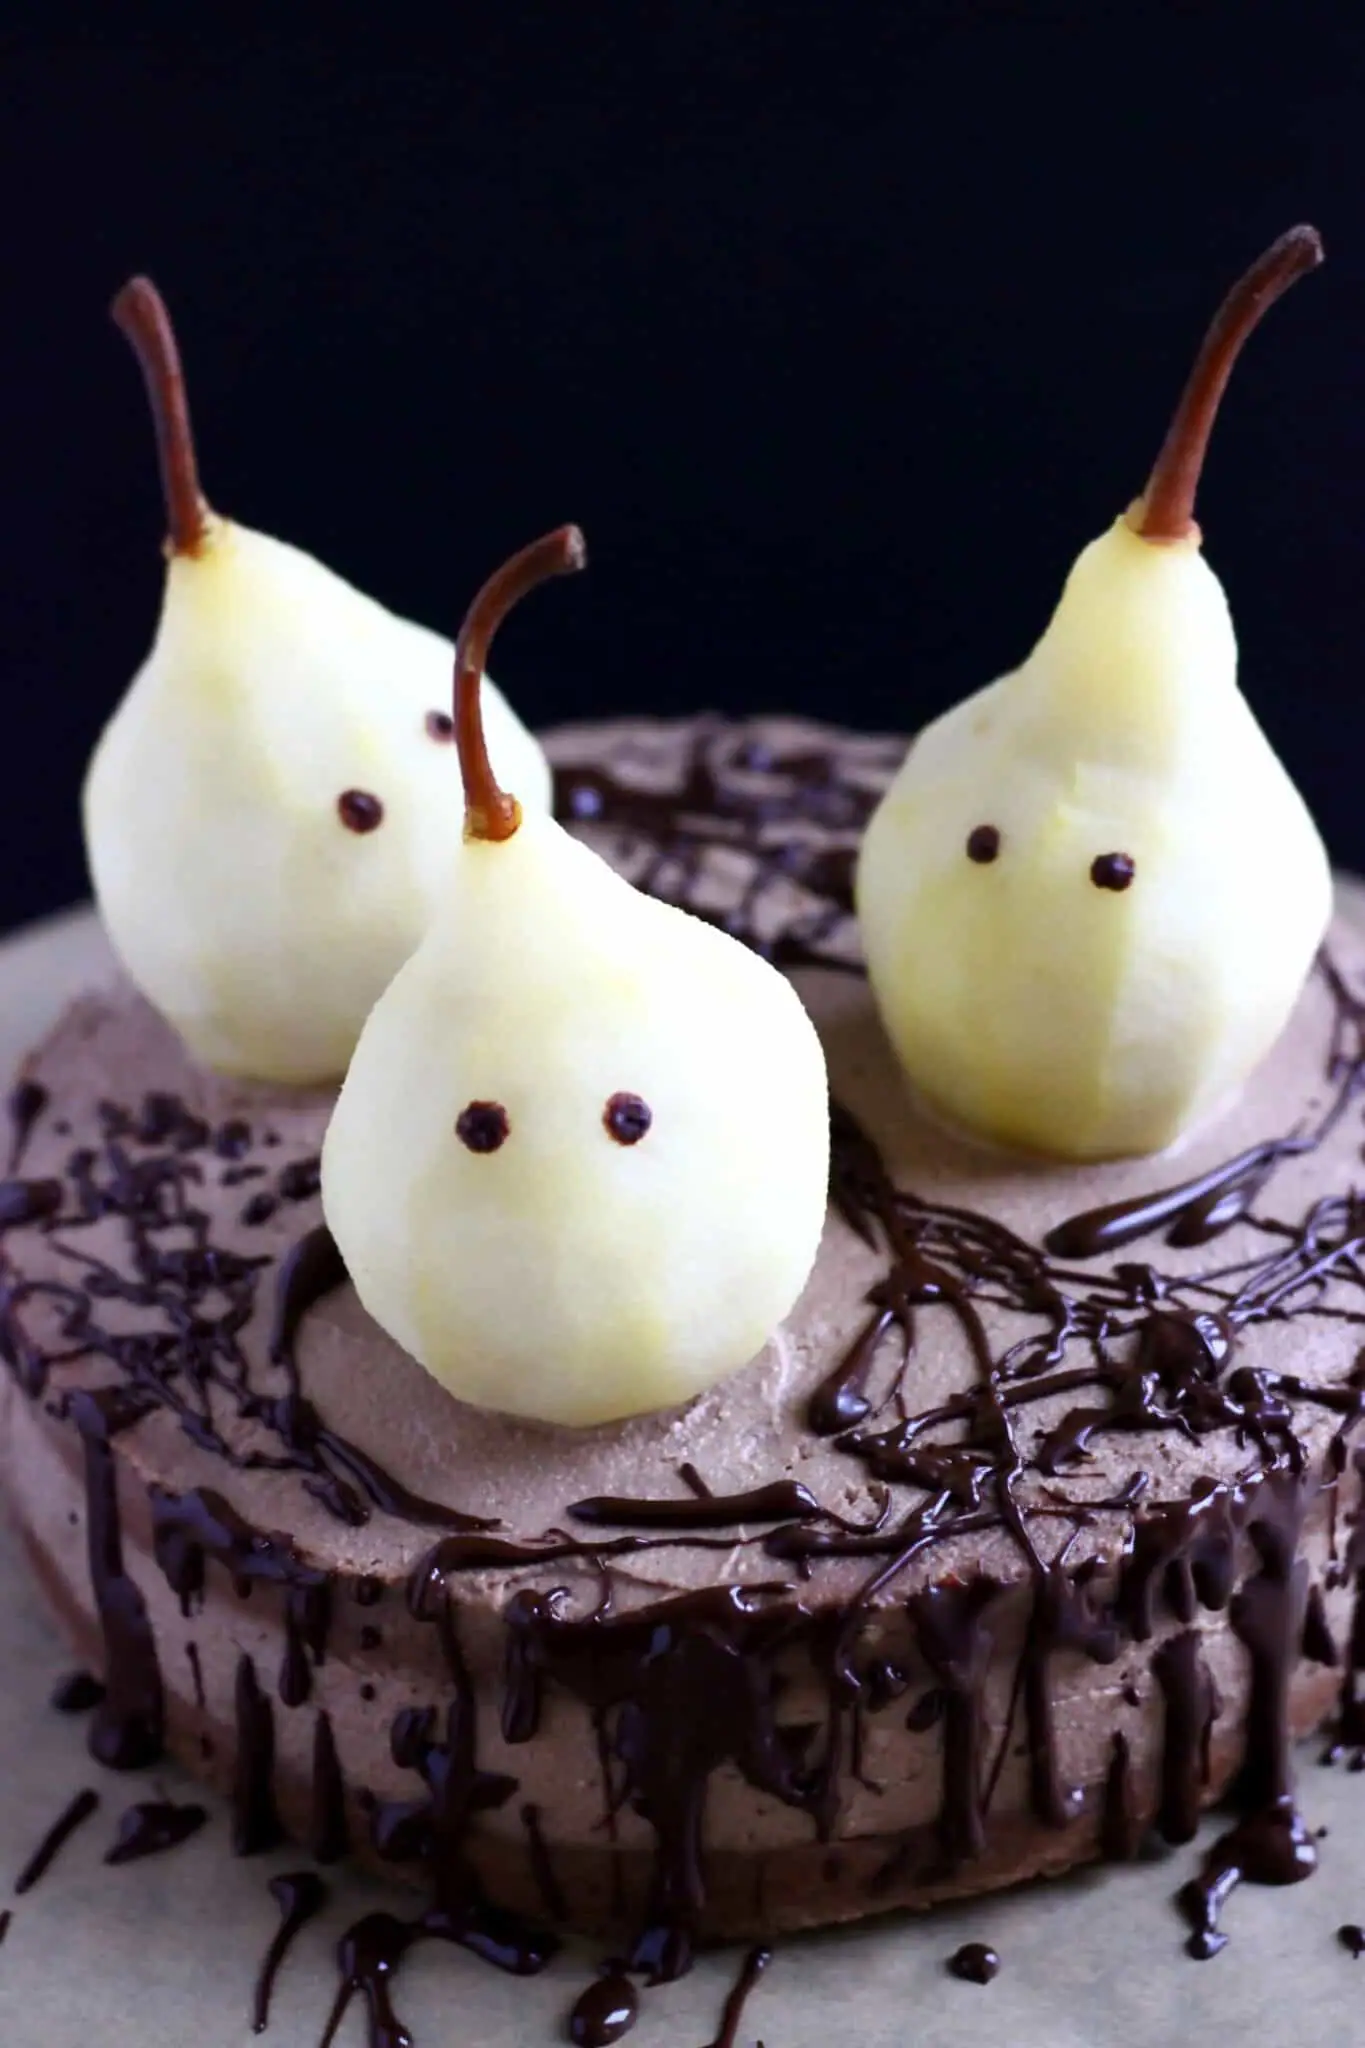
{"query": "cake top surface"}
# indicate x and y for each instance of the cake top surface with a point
(947, 1391)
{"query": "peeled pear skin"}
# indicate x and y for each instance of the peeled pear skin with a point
(565, 1276)
(1024, 1001)
(237, 900)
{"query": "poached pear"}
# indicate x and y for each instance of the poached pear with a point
(578, 1166)
(267, 815)
(1092, 894)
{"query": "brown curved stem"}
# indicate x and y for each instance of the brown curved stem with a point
(1166, 509)
(489, 812)
(140, 312)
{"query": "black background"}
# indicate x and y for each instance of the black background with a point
(839, 330)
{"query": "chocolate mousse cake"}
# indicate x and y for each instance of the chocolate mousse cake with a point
(1030, 1530)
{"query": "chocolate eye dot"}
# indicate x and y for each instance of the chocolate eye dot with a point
(627, 1118)
(440, 725)
(983, 843)
(359, 811)
(1112, 870)
(482, 1126)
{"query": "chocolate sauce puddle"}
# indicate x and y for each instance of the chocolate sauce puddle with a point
(974, 1963)
(300, 1896)
(1270, 1847)
(604, 2012)
(152, 1827)
(77, 1693)
(72, 1816)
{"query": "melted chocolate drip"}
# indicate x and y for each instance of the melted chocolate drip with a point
(153, 1827)
(68, 1820)
(5, 1918)
(27, 1101)
(300, 1896)
(192, 1658)
(77, 1693)
(1190, 1708)
(677, 1691)
(604, 2012)
(542, 1865)
(329, 1835)
(751, 1969)
(431, 1831)
(956, 1640)
(129, 1724)
(255, 1821)
(1121, 1823)
(190, 1528)
(974, 1963)
(1352, 1939)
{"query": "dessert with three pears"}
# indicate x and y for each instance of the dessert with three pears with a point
(718, 1326)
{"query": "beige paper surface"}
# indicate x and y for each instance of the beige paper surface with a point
(163, 1954)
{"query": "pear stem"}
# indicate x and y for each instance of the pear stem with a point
(1165, 511)
(489, 812)
(140, 313)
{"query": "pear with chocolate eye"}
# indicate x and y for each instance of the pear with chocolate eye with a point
(1091, 896)
(578, 1167)
(267, 815)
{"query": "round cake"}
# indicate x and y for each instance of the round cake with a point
(1029, 1530)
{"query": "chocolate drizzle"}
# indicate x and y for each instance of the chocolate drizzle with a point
(309, 1272)
(785, 1500)
(1196, 1210)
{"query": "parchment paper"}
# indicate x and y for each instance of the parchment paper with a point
(162, 1954)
